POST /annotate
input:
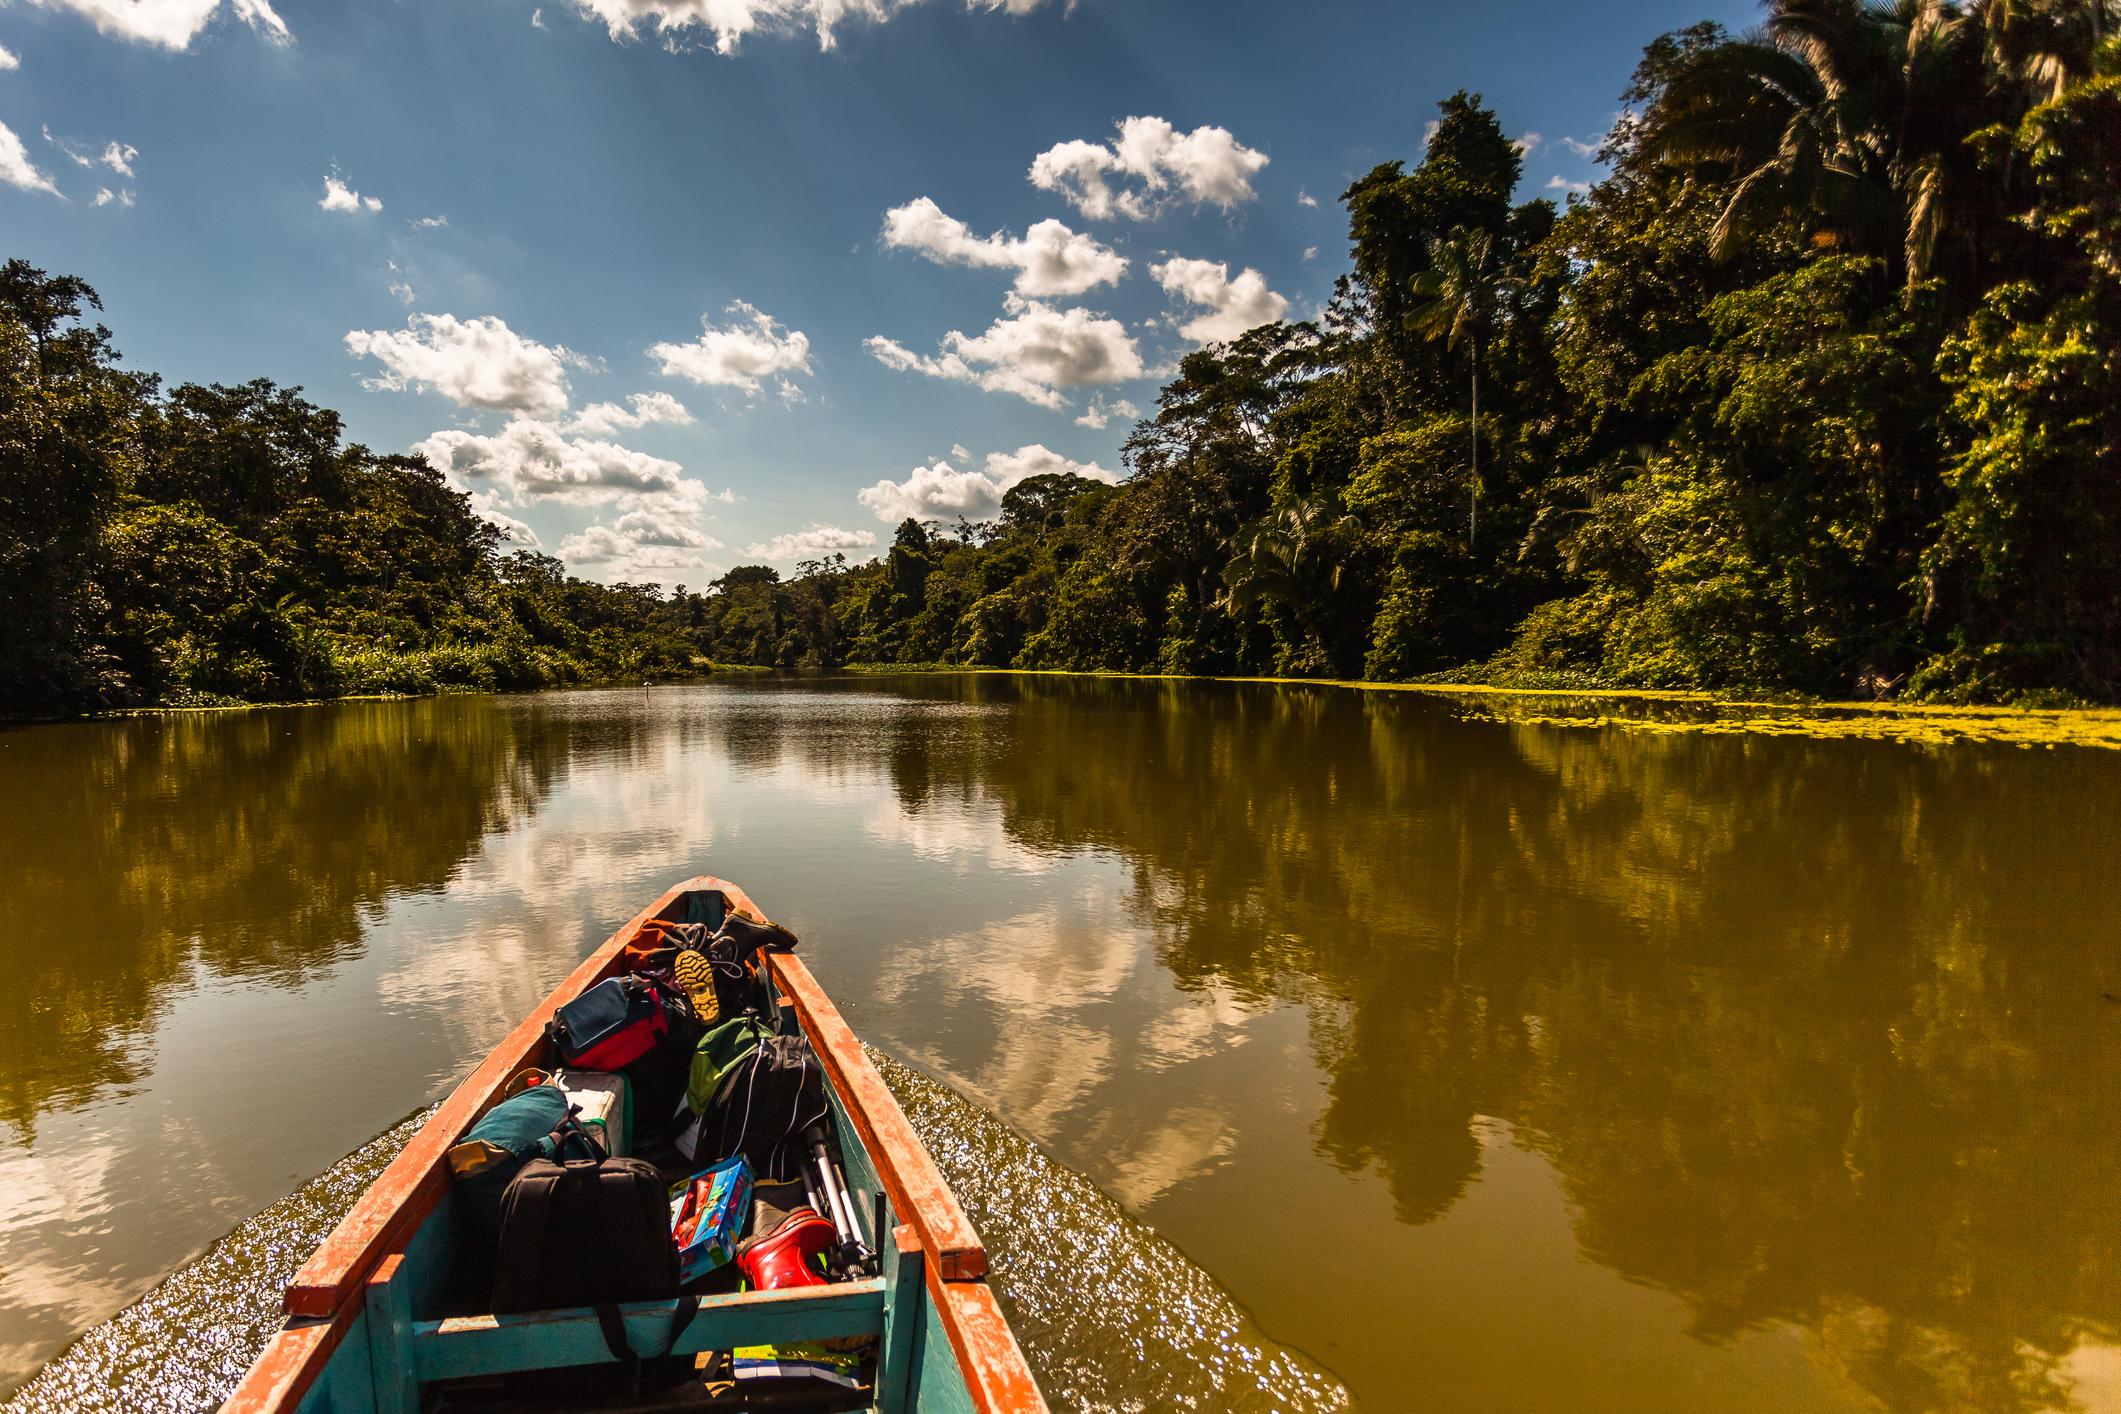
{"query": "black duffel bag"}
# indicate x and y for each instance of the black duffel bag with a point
(589, 1232)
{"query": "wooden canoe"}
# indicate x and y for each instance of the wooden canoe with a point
(364, 1330)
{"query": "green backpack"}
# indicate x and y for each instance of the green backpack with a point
(720, 1051)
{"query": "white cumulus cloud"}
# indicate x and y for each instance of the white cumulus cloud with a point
(489, 503)
(602, 419)
(1033, 351)
(652, 531)
(1008, 468)
(638, 541)
(529, 461)
(621, 557)
(658, 537)
(479, 363)
(340, 197)
(1564, 184)
(15, 167)
(669, 519)
(811, 542)
(105, 197)
(119, 158)
(1049, 259)
(728, 22)
(173, 24)
(945, 492)
(753, 346)
(1232, 306)
(1100, 413)
(1155, 164)
(8, 59)
(927, 491)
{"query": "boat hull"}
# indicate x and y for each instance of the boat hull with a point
(368, 1328)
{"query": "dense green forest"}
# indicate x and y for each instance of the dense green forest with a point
(1817, 391)
(210, 544)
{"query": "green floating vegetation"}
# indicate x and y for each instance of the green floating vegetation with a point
(1673, 710)
(1703, 713)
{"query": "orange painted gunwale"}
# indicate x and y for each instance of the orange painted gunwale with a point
(987, 1353)
(405, 1193)
(290, 1365)
(918, 1192)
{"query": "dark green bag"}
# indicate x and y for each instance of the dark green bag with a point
(719, 1052)
(522, 1127)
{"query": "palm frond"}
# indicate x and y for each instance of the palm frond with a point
(1837, 39)
(1927, 207)
(1759, 199)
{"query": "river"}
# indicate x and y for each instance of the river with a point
(1294, 1046)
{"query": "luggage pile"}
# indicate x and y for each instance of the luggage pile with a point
(681, 1143)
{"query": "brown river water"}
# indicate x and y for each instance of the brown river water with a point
(1294, 1048)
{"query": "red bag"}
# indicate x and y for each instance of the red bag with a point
(610, 1026)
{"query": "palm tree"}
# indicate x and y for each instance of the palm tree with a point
(1285, 557)
(1857, 113)
(2047, 45)
(1455, 300)
(1293, 559)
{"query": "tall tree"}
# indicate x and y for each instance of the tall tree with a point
(1455, 301)
(69, 448)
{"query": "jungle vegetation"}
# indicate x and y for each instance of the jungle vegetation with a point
(1817, 391)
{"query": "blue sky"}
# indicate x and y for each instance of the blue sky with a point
(671, 287)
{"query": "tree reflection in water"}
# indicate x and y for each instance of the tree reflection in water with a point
(1812, 1031)
(248, 844)
(1741, 1034)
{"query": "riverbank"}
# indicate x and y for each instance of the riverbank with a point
(403, 692)
(1645, 709)
(1689, 711)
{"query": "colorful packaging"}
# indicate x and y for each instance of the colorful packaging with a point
(707, 1217)
(800, 1363)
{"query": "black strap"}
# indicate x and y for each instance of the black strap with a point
(687, 1308)
(612, 1321)
(608, 1314)
(571, 1130)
